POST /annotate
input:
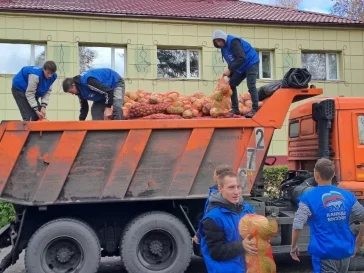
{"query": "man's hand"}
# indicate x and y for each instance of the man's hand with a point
(295, 253)
(43, 111)
(40, 114)
(195, 239)
(227, 72)
(249, 245)
(359, 239)
(226, 79)
(107, 113)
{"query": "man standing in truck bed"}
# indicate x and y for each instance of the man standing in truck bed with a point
(327, 209)
(104, 86)
(31, 84)
(243, 62)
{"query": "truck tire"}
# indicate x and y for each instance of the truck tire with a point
(63, 245)
(156, 242)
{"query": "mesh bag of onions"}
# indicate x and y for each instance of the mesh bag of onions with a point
(138, 110)
(162, 116)
(262, 230)
(221, 103)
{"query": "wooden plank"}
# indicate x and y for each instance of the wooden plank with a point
(190, 162)
(60, 164)
(125, 164)
(11, 146)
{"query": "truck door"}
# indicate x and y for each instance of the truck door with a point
(358, 134)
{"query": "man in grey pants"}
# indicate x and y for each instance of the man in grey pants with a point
(328, 210)
(104, 86)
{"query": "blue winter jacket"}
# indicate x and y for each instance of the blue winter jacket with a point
(251, 56)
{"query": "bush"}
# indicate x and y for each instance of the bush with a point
(7, 213)
(273, 176)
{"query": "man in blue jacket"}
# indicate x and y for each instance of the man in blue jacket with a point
(221, 244)
(327, 209)
(243, 62)
(31, 84)
(104, 87)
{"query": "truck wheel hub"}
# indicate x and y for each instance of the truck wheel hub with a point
(156, 247)
(63, 255)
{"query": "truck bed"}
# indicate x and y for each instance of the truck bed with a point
(111, 161)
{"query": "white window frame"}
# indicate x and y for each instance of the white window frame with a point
(32, 52)
(327, 66)
(188, 65)
(327, 63)
(261, 64)
(112, 55)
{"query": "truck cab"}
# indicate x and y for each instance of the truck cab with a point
(333, 128)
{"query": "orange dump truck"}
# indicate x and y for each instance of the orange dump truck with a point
(136, 189)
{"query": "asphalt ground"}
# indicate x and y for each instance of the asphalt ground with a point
(113, 265)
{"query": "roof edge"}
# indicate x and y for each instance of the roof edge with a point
(305, 11)
(359, 24)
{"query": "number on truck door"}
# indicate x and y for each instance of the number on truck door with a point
(259, 138)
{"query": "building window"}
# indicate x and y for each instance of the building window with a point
(265, 65)
(178, 63)
(14, 57)
(322, 66)
(102, 57)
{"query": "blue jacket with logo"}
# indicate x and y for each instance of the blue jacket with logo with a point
(106, 76)
(251, 56)
(224, 218)
(330, 234)
(20, 81)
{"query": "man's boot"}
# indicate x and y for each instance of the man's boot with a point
(252, 112)
(235, 112)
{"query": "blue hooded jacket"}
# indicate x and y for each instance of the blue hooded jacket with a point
(251, 56)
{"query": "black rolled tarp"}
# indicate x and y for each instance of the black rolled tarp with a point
(296, 78)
